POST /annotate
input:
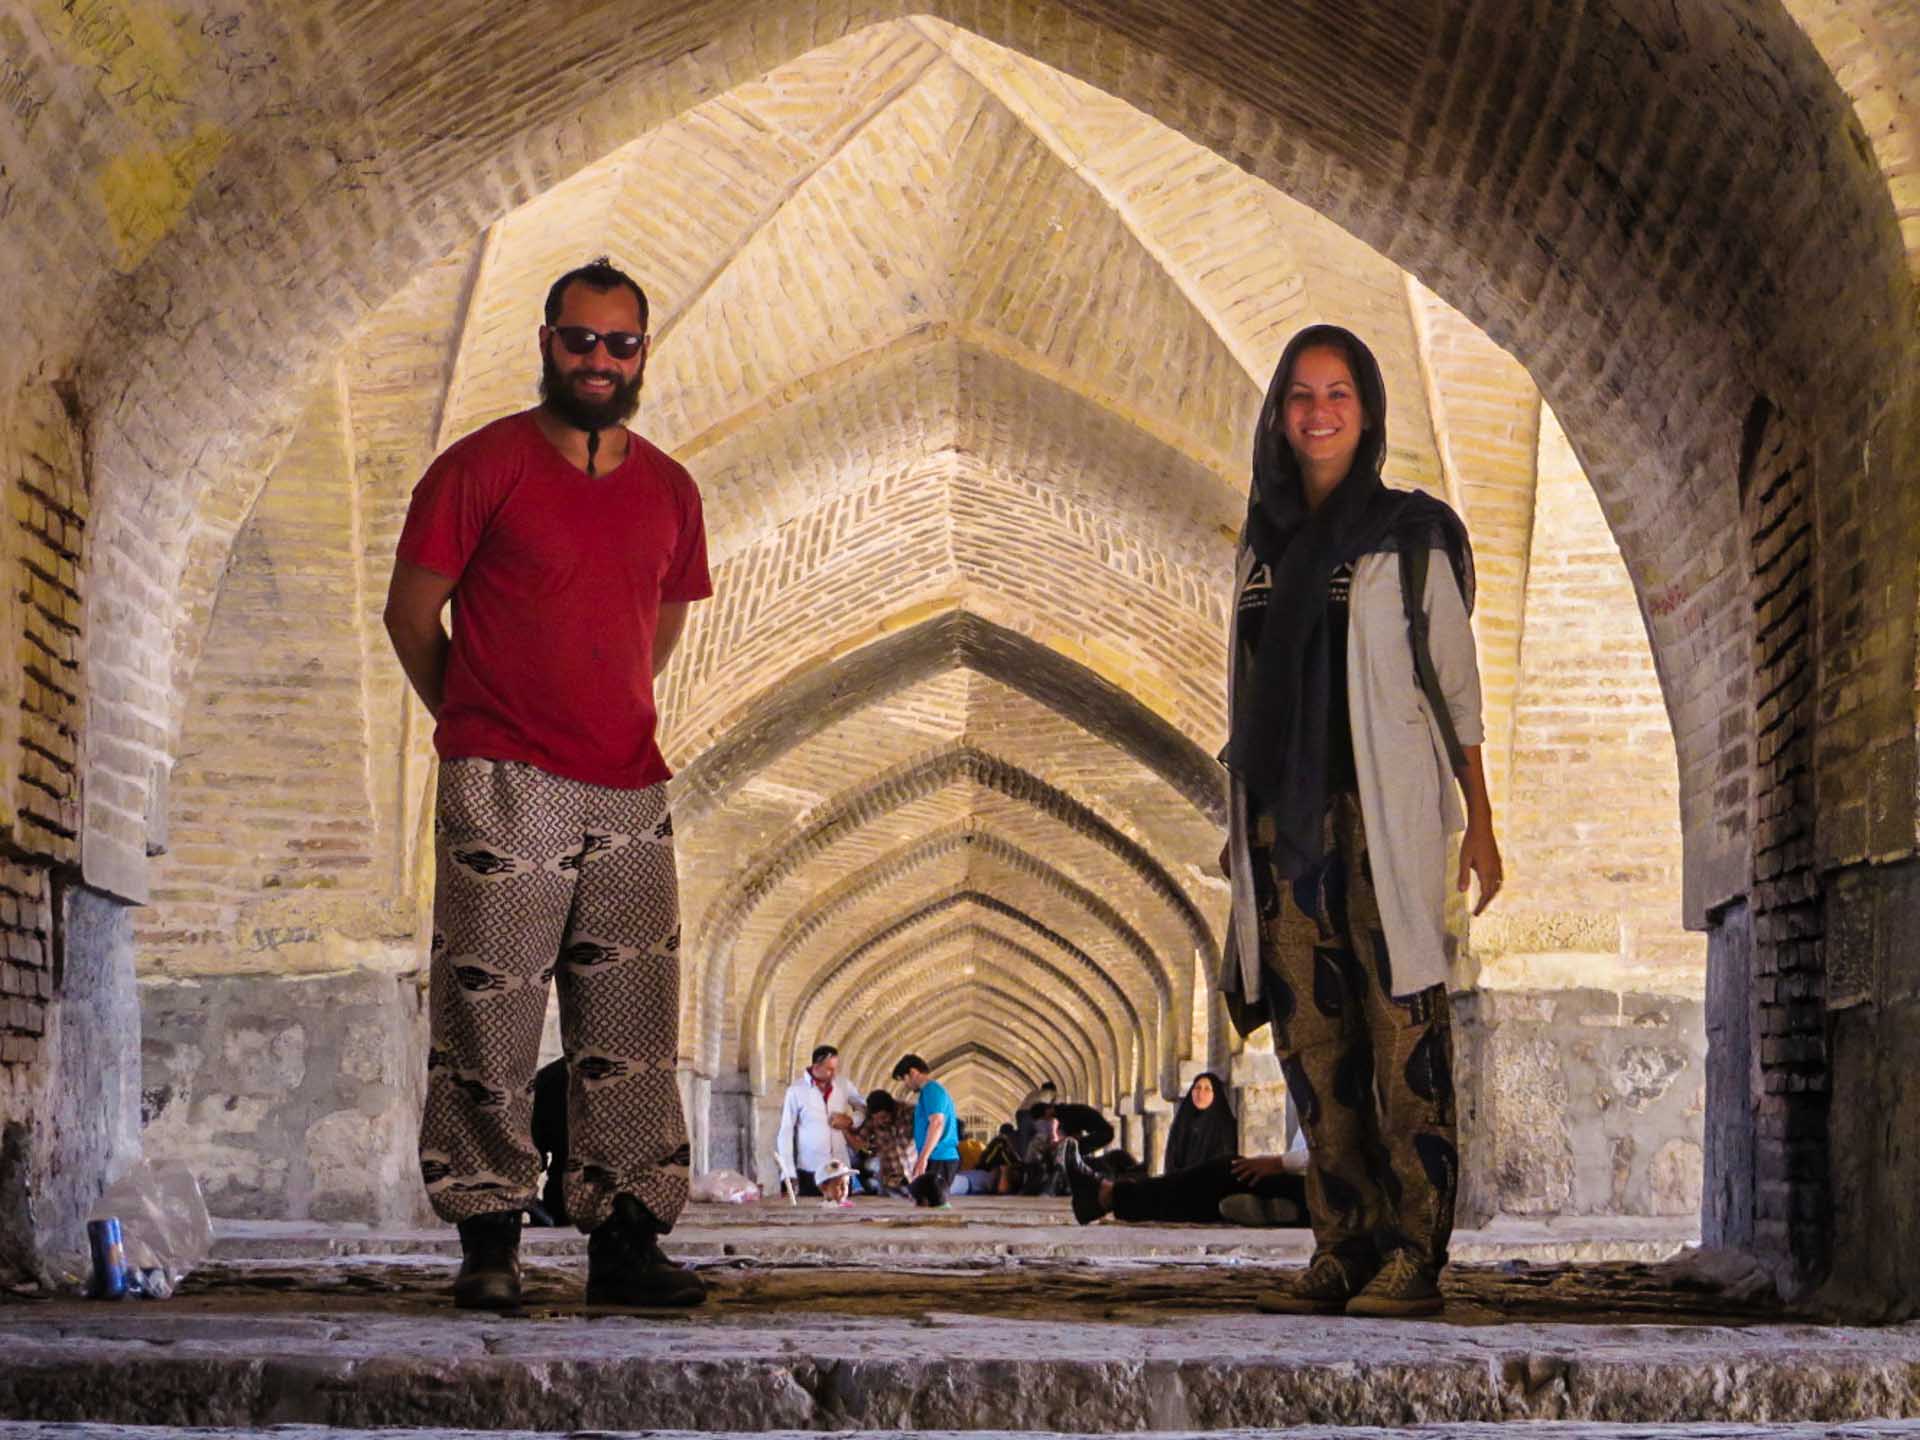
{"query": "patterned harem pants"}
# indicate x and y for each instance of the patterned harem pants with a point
(1371, 1075)
(541, 878)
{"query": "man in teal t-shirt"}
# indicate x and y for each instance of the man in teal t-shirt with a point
(936, 1134)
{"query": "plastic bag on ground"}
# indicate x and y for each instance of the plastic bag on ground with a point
(163, 1218)
(727, 1187)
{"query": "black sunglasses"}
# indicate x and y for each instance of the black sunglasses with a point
(579, 340)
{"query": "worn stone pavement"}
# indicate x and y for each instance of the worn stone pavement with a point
(1000, 1315)
(1518, 1430)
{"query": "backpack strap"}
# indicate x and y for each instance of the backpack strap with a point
(1413, 591)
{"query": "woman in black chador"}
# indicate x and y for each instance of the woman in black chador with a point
(1204, 1127)
(1349, 753)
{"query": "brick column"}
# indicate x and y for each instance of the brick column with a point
(1791, 1199)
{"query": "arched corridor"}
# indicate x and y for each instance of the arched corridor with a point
(963, 314)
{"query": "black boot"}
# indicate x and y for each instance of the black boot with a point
(1083, 1184)
(625, 1265)
(489, 1277)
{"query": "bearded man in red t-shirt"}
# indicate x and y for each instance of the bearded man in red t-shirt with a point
(570, 548)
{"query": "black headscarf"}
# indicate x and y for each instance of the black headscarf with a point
(1281, 705)
(1197, 1136)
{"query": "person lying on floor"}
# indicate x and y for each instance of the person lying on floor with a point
(1237, 1190)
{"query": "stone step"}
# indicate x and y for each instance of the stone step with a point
(1517, 1430)
(366, 1345)
(890, 1231)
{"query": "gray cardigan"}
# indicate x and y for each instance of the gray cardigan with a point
(1409, 799)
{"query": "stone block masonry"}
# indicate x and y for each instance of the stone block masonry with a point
(1579, 1102)
(289, 1098)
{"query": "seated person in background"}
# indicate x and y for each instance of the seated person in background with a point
(888, 1136)
(549, 1127)
(1002, 1157)
(1083, 1125)
(970, 1152)
(835, 1182)
(1002, 1149)
(1043, 1167)
(1249, 1190)
(1116, 1164)
(1204, 1127)
(976, 1181)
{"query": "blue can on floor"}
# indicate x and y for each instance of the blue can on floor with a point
(109, 1260)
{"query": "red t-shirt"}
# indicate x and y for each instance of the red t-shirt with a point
(560, 582)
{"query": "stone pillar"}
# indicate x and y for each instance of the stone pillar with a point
(1155, 1123)
(694, 1092)
(730, 1124)
(70, 1110)
(765, 1117)
(1733, 1082)
(1259, 1100)
(1873, 1015)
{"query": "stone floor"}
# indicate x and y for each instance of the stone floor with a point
(1514, 1430)
(1001, 1315)
(883, 1231)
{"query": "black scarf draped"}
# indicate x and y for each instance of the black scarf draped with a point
(1197, 1135)
(1282, 701)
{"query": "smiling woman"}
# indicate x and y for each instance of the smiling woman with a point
(1340, 818)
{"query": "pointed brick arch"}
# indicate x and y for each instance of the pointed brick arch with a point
(897, 787)
(941, 966)
(928, 910)
(1344, 148)
(1124, 1026)
(975, 1008)
(803, 705)
(975, 1049)
(894, 872)
(1665, 282)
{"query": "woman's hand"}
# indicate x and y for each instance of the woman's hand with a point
(1480, 855)
(1248, 1169)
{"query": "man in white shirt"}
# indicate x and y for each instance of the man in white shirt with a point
(820, 1108)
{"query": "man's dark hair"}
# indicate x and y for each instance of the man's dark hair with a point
(822, 1052)
(908, 1064)
(879, 1102)
(1008, 1130)
(600, 274)
(1042, 1111)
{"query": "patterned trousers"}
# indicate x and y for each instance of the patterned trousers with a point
(1370, 1075)
(541, 878)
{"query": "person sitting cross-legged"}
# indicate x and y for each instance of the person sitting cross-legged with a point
(1043, 1167)
(887, 1134)
(1242, 1190)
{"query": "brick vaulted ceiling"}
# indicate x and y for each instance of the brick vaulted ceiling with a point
(964, 354)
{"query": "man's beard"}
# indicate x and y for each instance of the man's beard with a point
(559, 396)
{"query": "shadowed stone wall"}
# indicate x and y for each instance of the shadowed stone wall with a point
(289, 1098)
(1874, 1121)
(86, 1101)
(1579, 1102)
